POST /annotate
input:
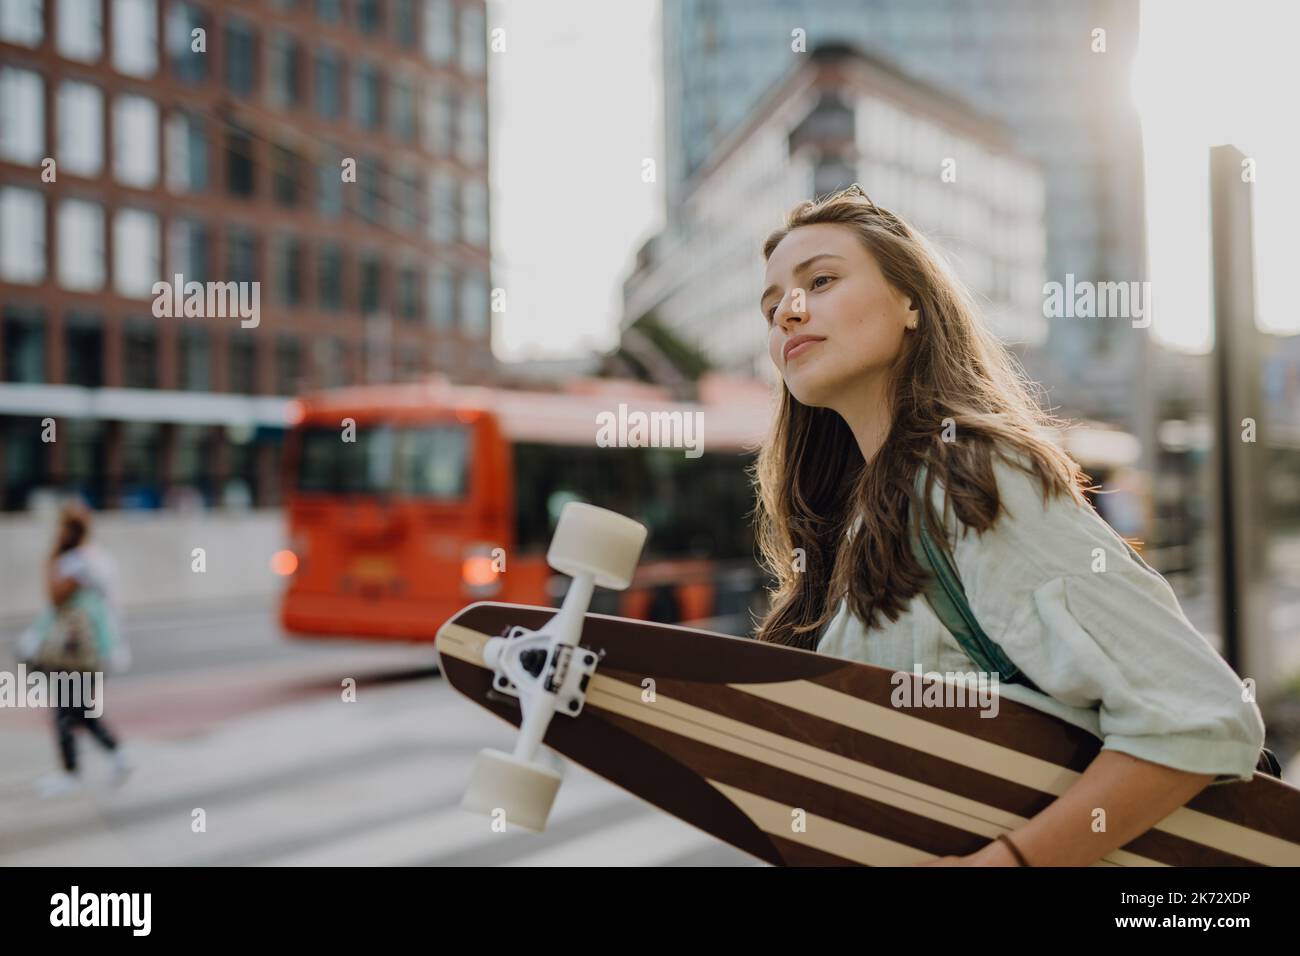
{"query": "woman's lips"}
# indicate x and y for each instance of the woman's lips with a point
(802, 347)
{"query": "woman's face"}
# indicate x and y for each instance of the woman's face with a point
(825, 290)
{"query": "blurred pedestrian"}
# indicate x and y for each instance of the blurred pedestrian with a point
(78, 635)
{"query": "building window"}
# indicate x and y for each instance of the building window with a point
(286, 176)
(327, 355)
(190, 448)
(406, 201)
(288, 271)
(242, 364)
(136, 253)
(189, 242)
(80, 30)
(22, 235)
(408, 292)
(440, 119)
(241, 58)
(370, 16)
(22, 116)
(404, 27)
(471, 142)
(140, 354)
(372, 284)
(196, 363)
(241, 167)
(188, 65)
(402, 109)
(141, 465)
(24, 341)
(329, 11)
(135, 141)
(370, 197)
(444, 214)
(80, 232)
(329, 183)
(286, 70)
(366, 92)
(473, 305)
(473, 43)
(83, 337)
(241, 254)
(80, 120)
(832, 175)
(21, 22)
(187, 153)
(439, 30)
(329, 85)
(329, 276)
(442, 298)
(474, 201)
(135, 37)
(288, 366)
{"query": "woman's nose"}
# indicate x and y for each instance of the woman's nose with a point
(786, 314)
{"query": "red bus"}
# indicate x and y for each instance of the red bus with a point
(408, 502)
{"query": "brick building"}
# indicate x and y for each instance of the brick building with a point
(211, 140)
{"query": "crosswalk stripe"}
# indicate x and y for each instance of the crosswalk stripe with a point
(647, 841)
(429, 836)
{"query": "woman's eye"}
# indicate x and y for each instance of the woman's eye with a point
(819, 278)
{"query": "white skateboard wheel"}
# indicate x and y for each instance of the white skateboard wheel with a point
(502, 782)
(591, 540)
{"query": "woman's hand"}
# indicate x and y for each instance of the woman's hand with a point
(60, 588)
(1135, 794)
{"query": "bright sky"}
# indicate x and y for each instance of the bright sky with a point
(576, 110)
(1209, 73)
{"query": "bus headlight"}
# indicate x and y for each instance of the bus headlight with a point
(478, 571)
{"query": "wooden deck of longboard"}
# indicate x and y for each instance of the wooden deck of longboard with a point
(798, 758)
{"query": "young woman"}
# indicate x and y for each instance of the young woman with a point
(79, 579)
(886, 370)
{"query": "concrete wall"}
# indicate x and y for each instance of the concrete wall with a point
(152, 554)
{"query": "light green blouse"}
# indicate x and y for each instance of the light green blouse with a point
(1110, 648)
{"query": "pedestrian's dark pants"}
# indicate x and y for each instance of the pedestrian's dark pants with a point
(67, 718)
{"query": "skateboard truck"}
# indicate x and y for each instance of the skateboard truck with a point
(522, 657)
(546, 669)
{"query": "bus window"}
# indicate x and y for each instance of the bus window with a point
(692, 506)
(331, 465)
(425, 462)
(318, 460)
(431, 462)
(366, 465)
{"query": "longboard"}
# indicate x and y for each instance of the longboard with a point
(800, 759)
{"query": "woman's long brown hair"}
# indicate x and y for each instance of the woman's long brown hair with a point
(952, 378)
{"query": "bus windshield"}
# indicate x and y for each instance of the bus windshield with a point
(428, 461)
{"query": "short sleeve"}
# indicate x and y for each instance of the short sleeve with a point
(1094, 628)
(72, 564)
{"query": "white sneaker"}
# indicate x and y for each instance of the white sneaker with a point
(58, 784)
(122, 765)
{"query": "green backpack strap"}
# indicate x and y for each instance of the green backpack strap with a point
(947, 598)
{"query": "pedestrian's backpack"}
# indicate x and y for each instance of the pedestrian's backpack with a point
(947, 598)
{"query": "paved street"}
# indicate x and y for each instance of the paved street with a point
(222, 713)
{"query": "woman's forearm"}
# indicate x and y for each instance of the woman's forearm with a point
(1134, 794)
(60, 588)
